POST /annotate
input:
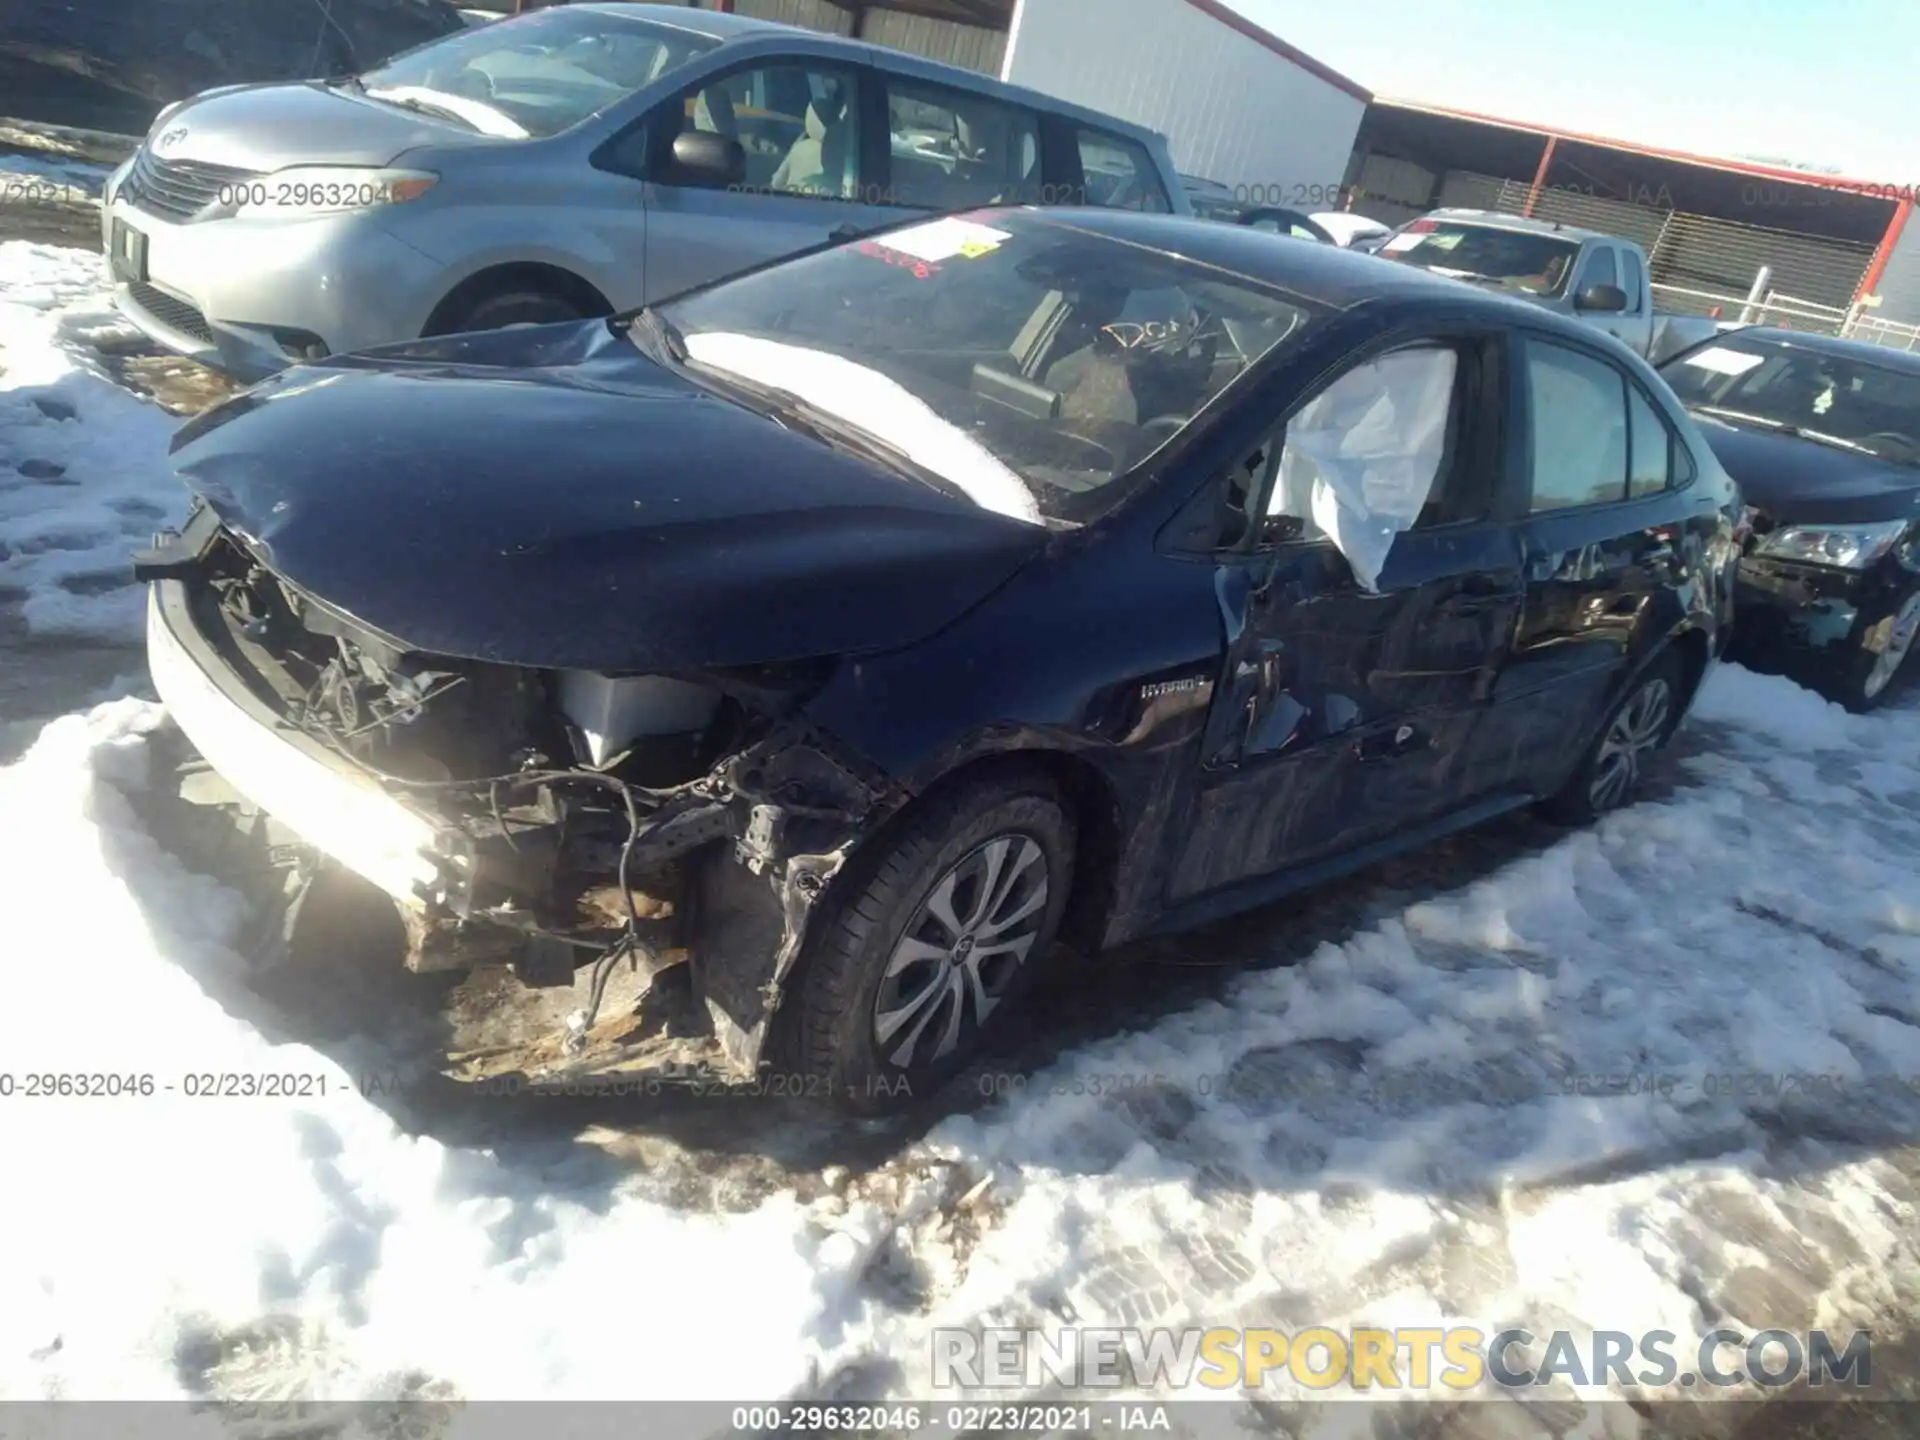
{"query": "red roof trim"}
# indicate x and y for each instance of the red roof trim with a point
(1234, 20)
(1741, 167)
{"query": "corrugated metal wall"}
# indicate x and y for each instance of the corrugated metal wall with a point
(813, 14)
(1690, 252)
(1899, 287)
(972, 47)
(1233, 110)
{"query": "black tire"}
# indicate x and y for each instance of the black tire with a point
(946, 845)
(1638, 725)
(1864, 682)
(516, 307)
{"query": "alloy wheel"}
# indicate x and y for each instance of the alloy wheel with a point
(1634, 733)
(961, 950)
(1899, 641)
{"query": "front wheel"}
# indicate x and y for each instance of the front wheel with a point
(936, 943)
(518, 307)
(1878, 658)
(1640, 723)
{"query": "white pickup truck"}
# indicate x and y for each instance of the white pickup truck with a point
(1600, 279)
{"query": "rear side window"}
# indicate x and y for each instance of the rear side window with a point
(1650, 467)
(951, 148)
(1580, 428)
(1120, 174)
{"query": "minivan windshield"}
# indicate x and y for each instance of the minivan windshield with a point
(537, 74)
(1517, 261)
(1809, 392)
(1024, 361)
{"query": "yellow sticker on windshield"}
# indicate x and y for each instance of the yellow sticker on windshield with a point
(974, 249)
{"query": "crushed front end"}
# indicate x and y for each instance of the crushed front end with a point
(550, 821)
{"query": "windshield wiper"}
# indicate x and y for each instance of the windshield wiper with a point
(798, 414)
(427, 107)
(657, 336)
(1798, 432)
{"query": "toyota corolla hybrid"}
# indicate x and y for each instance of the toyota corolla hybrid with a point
(836, 638)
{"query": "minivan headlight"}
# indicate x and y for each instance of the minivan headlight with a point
(319, 190)
(1850, 547)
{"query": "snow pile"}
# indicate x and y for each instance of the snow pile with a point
(256, 1248)
(83, 474)
(1661, 1075)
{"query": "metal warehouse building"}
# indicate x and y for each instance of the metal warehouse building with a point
(1787, 247)
(1237, 104)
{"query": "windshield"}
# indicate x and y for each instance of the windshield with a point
(1025, 362)
(536, 75)
(1784, 386)
(1513, 260)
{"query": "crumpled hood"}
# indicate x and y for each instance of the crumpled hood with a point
(551, 497)
(1805, 482)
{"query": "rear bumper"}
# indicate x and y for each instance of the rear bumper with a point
(292, 777)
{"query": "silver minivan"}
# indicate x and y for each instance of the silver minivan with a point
(577, 160)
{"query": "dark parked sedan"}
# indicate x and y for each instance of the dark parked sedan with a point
(1823, 437)
(835, 638)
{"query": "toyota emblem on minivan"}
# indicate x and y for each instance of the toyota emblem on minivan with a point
(171, 138)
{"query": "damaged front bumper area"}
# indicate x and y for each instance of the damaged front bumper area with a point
(486, 803)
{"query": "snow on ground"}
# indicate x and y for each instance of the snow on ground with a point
(1413, 1125)
(41, 178)
(83, 475)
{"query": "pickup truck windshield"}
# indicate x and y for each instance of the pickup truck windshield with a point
(1782, 386)
(1516, 261)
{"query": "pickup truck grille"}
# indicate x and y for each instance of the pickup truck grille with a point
(177, 189)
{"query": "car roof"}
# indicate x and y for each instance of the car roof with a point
(1329, 275)
(748, 34)
(1885, 356)
(1496, 220)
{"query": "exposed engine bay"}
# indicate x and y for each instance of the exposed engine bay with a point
(682, 825)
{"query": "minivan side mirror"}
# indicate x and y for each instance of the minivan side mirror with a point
(704, 158)
(1608, 299)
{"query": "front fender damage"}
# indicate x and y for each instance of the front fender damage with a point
(802, 811)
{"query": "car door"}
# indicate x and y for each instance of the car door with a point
(799, 124)
(1598, 544)
(949, 148)
(1367, 625)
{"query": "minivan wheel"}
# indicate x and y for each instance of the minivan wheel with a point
(1639, 725)
(1878, 659)
(935, 944)
(518, 307)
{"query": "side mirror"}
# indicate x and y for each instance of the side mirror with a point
(703, 158)
(1607, 299)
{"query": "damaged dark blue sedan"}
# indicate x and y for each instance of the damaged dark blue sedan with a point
(831, 641)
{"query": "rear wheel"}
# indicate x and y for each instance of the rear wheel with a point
(936, 943)
(1641, 722)
(1879, 658)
